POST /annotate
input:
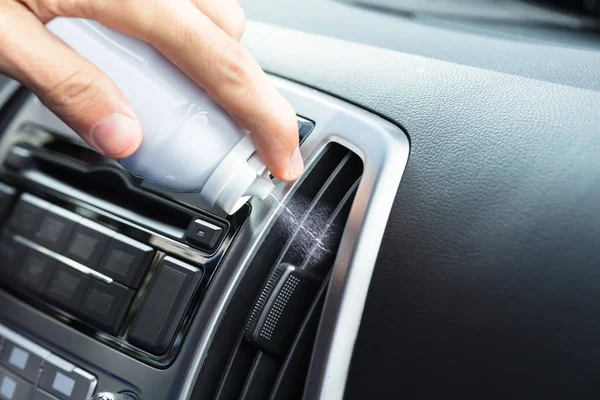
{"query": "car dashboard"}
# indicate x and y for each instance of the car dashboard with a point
(442, 241)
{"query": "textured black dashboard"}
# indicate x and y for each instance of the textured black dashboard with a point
(488, 278)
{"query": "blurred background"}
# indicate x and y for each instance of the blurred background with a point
(567, 22)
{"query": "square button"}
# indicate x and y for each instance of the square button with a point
(35, 271)
(56, 228)
(63, 384)
(66, 287)
(204, 233)
(126, 260)
(13, 388)
(8, 387)
(105, 305)
(65, 381)
(21, 361)
(11, 254)
(164, 304)
(88, 242)
(27, 217)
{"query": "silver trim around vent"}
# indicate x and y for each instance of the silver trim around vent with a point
(384, 149)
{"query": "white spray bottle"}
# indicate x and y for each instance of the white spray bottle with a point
(190, 144)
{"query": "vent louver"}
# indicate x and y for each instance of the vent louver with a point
(271, 356)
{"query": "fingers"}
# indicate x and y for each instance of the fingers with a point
(201, 40)
(76, 91)
(234, 79)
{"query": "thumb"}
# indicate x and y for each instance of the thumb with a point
(76, 91)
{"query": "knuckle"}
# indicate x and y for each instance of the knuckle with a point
(54, 7)
(236, 65)
(72, 94)
(48, 9)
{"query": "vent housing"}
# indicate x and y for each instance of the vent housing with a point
(271, 354)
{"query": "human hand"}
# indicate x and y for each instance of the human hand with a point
(200, 36)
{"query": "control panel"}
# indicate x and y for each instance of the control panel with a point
(29, 371)
(98, 276)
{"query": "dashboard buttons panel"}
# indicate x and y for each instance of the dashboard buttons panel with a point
(21, 361)
(164, 304)
(65, 381)
(13, 387)
(126, 260)
(11, 254)
(26, 365)
(93, 273)
(66, 288)
(88, 242)
(27, 217)
(55, 229)
(105, 305)
(35, 271)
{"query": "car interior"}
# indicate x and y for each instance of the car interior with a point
(444, 240)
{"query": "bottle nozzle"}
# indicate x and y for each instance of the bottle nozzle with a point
(240, 175)
(261, 187)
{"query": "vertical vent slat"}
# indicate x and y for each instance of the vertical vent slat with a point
(289, 384)
(239, 366)
(261, 377)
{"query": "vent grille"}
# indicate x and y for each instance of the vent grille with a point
(271, 355)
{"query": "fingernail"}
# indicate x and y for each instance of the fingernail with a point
(116, 134)
(296, 164)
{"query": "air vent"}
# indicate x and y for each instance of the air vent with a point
(271, 357)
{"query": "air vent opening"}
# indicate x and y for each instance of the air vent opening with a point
(272, 352)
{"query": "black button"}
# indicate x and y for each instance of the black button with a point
(66, 381)
(55, 229)
(88, 242)
(41, 395)
(13, 388)
(27, 217)
(66, 287)
(304, 128)
(204, 233)
(105, 305)
(11, 254)
(126, 260)
(21, 361)
(164, 304)
(35, 271)
(7, 196)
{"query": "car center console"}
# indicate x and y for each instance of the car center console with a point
(111, 285)
(91, 250)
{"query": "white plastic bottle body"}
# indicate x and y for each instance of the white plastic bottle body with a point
(186, 135)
